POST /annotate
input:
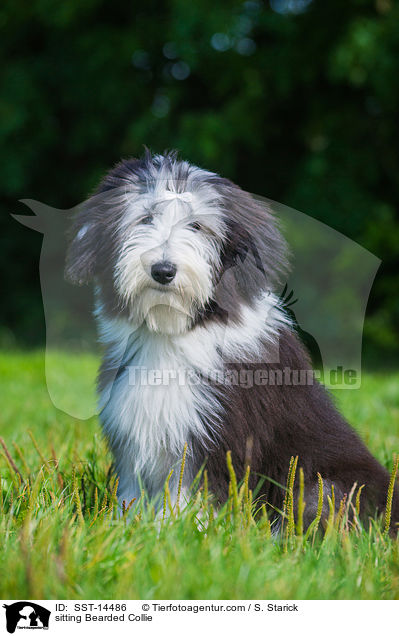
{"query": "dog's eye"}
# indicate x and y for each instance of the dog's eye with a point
(146, 220)
(195, 226)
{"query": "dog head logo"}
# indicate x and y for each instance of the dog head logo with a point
(26, 615)
(168, 245)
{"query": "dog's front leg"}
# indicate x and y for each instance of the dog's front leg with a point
(129, 487)
(128, 494)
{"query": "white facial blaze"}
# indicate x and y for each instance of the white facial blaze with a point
(168, 234)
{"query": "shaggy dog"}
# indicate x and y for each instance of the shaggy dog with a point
(186, 267)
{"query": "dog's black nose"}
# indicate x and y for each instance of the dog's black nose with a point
(163, 272)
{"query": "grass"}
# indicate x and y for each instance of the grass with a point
(60, 536)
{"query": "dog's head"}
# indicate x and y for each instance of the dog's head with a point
(170, 244)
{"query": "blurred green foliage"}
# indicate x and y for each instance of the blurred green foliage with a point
(296, 100)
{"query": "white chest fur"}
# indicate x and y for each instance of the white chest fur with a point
(157, 402)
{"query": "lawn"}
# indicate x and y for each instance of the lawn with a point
(61, 538)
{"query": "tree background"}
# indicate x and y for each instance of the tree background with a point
(296, 100)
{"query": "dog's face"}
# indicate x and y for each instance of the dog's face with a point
(162, 237)
(170, 248)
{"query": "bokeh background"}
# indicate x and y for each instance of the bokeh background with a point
(296, 100)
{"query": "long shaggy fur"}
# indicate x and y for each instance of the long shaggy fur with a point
(218, 315)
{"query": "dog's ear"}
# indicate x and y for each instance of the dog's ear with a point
(82, 254)
(94, 224)
(238, 244)
(253, 236)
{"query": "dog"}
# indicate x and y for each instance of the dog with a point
(186, 267)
